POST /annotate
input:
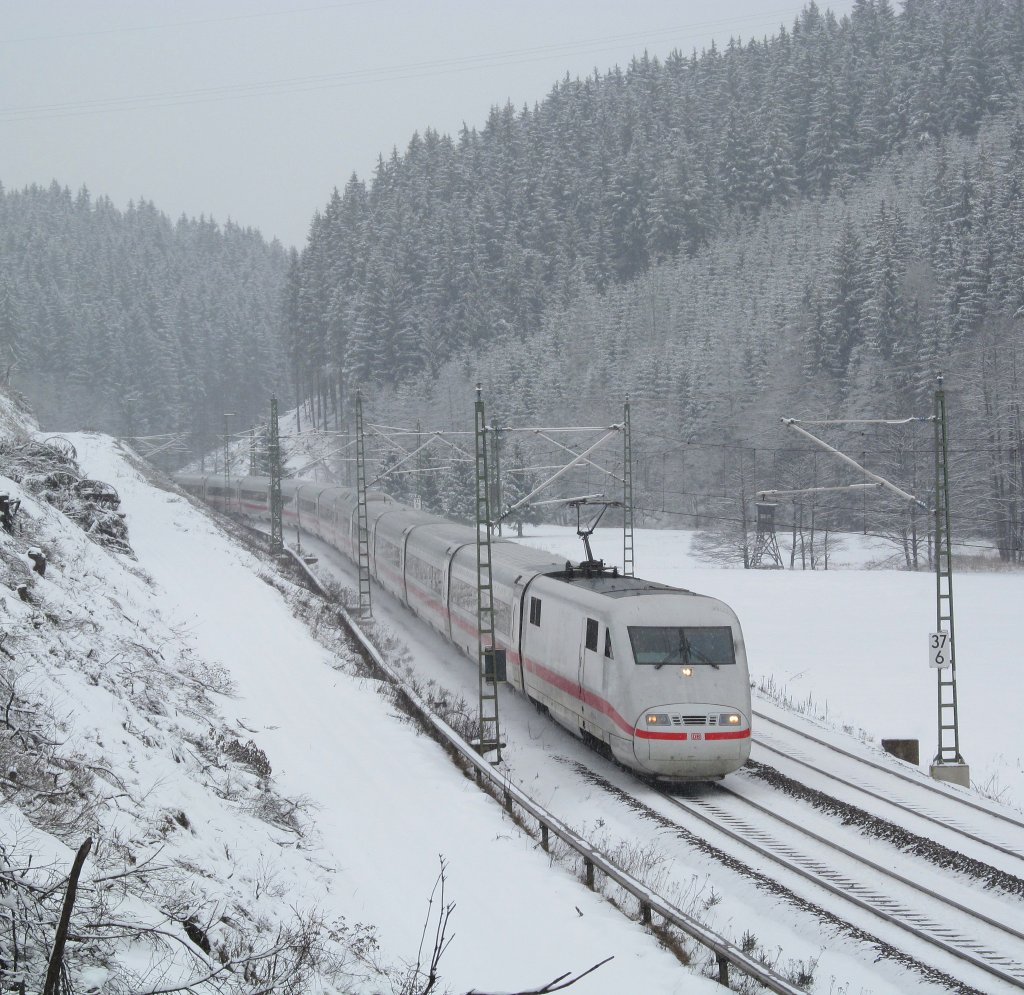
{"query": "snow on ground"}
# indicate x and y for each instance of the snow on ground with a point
(799, 622)
(386, 804)
(383, 805)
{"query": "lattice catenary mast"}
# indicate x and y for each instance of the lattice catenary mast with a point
(627, 493)
(276, 505)
(363, 532)
(488, 659)
(948, 764)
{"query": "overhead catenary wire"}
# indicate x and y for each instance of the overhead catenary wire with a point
(837, 511)
(864, 421)
(869, 430)
(547, 483)
(899, 492)
(764, 495)
(588, 462)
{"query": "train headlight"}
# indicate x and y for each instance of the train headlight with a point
(657, 720)
(729, 719)
(686, 671)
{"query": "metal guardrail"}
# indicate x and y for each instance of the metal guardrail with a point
(726, 954)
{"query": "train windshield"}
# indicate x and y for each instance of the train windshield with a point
(705, 645)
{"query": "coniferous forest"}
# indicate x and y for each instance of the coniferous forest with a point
(127, 322)
(808, 225)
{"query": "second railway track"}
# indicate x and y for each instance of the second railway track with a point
(958, 928)
(981, 829)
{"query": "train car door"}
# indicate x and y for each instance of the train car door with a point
(516, 665)
(581, 673)
(446, 597)
(591, 670)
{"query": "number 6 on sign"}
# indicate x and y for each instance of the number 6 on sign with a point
(938, 650)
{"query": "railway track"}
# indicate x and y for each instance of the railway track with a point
(726, 953)
(916, 802)
(957, 926)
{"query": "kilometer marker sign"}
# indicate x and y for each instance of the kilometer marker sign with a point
(938, 650)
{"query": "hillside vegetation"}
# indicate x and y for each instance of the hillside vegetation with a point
(120, 739)
(460, 240)
(811, 225)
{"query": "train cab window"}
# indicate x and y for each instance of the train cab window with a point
(592, 628)
(608, 644)
(535, 611)
(657, 645)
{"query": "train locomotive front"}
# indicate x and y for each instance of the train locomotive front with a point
(656, 674)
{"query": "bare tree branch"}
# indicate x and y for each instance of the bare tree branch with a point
(229, 965)
(557, 985)
(440, 942)
(57, 954)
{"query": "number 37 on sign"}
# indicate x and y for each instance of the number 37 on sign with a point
(939, 650)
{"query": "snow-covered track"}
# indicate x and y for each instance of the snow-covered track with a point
(911, 793)
(912, 907)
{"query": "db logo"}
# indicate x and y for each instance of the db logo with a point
(696, 735)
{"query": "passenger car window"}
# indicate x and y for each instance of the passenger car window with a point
(592, 634)
(608, 644)
(535, 611)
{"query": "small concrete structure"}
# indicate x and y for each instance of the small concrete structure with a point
(959, 774)
(904, 749)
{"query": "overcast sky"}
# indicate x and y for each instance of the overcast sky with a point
(254, 110)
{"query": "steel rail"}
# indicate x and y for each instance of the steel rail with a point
(852, 891)
(924, 785)
(889, 800)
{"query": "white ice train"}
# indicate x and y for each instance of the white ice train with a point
(655, 673)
